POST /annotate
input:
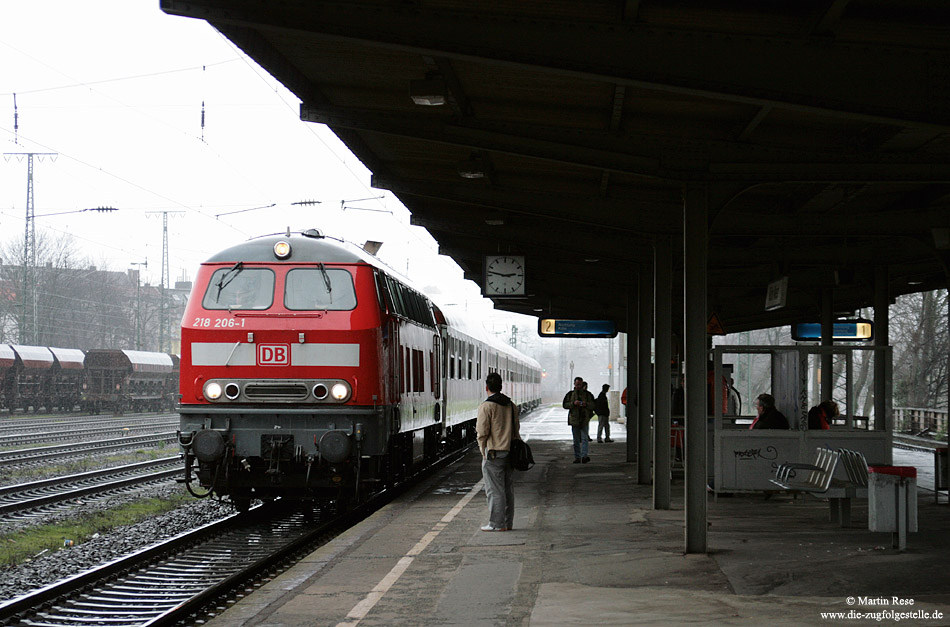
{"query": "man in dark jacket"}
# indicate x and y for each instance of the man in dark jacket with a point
(602, 409)
(495, 427)
(580, 405)
(768, 417)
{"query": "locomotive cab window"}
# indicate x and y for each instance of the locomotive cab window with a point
(238, 287)
(323, 289)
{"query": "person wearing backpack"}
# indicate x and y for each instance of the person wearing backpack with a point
(602, 409)
(495, 427)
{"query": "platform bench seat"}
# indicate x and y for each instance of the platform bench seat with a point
(819, 478)
(843, 490)
(815, 477)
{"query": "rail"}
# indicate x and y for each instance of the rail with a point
(173, 581)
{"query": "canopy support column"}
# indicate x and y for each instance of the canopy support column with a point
(882, 359)
(645, 384)
(663, 321)
(694, 326)
(827, 339)
(631, 419)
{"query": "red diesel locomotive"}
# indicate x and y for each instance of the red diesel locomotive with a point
(310, 370)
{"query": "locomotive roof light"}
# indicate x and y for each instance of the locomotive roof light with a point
(213, 390)
(340, 391)
(282, 249)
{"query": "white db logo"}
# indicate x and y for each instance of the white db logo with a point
(273, 354)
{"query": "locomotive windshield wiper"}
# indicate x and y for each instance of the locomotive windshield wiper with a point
(326, 278)
(227, 277)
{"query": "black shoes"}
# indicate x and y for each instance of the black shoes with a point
(606, 440)
(577, 460)
(584, 461)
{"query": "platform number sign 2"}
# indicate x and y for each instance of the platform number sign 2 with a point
(273, 354)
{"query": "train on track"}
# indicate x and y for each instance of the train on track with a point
(310, 370)
(99, 380)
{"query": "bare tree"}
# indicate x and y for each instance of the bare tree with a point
(77, 305)
(919, 337)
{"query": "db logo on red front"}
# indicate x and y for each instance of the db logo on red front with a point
(273, 354)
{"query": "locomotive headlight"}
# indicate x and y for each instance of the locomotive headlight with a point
(282, 249)
(213, 391)
(340, 391)
(232, 390)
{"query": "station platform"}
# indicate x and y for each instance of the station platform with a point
(588, 548)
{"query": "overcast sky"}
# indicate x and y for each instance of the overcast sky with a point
(116, 88)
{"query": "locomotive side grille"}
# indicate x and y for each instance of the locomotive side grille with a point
(282, 391)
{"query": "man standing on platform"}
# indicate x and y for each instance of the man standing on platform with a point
(495, 427)
(580, 405)
(602, 409)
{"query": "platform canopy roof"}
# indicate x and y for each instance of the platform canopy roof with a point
(816, 129)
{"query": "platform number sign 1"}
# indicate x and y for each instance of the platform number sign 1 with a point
(273, 354)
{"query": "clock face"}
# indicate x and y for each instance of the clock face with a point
(504, 275)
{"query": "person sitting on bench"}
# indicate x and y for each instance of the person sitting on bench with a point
(768, 417)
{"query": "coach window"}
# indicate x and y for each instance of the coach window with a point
(395, 291)
(382, 291)
(451, 360)
(418, 373)
(238, 287)
(322, 289)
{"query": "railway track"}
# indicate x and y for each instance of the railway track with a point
(29, 498)
(10, 427)
(177, 580)
(21, 439)
(46, 453)
(917, 443)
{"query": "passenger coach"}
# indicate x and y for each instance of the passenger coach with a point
(310, 370)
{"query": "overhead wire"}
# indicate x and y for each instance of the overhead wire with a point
(240, 57)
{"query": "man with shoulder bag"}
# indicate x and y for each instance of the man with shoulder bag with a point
(495, 427)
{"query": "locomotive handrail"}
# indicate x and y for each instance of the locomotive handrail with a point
(280, 314)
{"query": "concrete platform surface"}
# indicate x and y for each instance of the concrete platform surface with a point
(589, 549)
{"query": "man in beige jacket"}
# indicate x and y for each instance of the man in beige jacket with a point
(495, 427)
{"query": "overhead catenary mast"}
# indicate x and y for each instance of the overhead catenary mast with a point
(28, 287)
(163, 331)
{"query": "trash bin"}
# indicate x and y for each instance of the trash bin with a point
(892, 501)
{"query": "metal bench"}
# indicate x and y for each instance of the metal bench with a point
(843, 490)
(815, 478)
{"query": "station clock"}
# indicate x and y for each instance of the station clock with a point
(504, 275)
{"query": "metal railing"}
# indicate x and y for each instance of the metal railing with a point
(919, 418)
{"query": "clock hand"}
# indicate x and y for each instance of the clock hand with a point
(500, 273)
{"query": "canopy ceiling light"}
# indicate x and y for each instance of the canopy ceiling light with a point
(472, 168)
(429, 91)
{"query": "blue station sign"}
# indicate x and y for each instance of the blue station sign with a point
(843, 330)
(552, 327)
